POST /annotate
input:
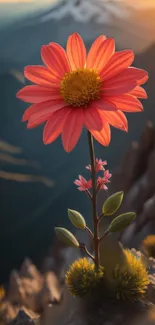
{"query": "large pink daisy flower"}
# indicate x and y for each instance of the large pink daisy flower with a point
(75, 90)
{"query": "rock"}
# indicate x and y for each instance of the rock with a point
(58, 314)
(136, 177)
(14, 283)
(29, 291)
(22, 319)
(7, 312)
(29, 270)
(51, 291)
(74, 312)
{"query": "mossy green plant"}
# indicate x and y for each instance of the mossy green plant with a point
(131, 280)
(82, 278)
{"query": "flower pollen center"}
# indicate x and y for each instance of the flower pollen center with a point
(80, 87)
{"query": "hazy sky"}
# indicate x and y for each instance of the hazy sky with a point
(143, 3)
(138, 3)
(28, 2)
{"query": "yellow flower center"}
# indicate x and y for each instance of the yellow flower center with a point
(80, 87)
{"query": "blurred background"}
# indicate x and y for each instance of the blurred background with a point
(36, 181)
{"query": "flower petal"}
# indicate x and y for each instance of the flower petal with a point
(72, 128)
(143, 80)
(37, 94)
(117, 63)
(93, 50)
(104, 103)
(116, 119)
(124, 82)
(39, 111)
(41, 76)
(139, 92)
(92, 119)
(118, 88)
(77, 182)
(76, 51)
(131, 75)
(104, 53)
(103, 136)
(127, 103)
(55, 58)
(54, 125)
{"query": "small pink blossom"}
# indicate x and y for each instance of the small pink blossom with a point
(107, 176)
(101, 181)
(83, 184)
(99, 163)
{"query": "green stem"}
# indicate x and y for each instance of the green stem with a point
(85, 250)
(104, 235)
(101, 216)
(94, 203)
(89, 231)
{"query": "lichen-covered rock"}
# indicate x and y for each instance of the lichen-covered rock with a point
(73, 311)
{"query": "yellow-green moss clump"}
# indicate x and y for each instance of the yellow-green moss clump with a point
(148, 246)
(128, 282)
(131, 281)
(82, 277)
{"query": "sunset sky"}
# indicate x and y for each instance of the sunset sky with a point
(5, 1)
(143, 3)
(24, 1)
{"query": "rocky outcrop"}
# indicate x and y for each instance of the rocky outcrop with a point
(135, 176)
(29, 291)
(24, 319)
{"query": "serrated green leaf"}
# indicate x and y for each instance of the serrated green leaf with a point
(122, 221)
(112, 204)
(66, 237)
(76, 219)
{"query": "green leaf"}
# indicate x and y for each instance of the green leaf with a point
(111, 254)
(112, 204)
(76, 219)
(122, 221)
(66, 237)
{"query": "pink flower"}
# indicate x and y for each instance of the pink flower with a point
(107, 176)
(73, 90)
(83, 184)
(98, 165)
(101, 181)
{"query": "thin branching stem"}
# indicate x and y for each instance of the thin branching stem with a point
(101, 216)
(104, 235)
(90, 232)
(94, 203)
(85, 250)
(89, 194)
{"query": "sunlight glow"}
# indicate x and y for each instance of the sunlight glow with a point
(16, 1)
